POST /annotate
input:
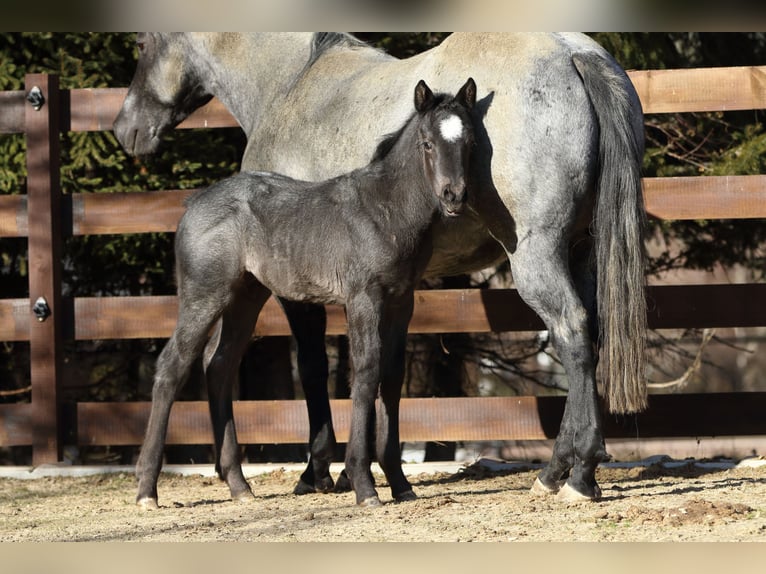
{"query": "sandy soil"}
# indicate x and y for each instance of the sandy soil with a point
(651, 503)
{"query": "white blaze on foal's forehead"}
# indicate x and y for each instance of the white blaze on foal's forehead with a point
(451, 128)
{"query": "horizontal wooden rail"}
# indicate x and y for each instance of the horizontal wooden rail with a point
(15, 427)
(670, 198)
(436, 311)
(432, 419)
(660, 91)
(701, 89)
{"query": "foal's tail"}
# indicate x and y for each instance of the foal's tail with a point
(619, 226)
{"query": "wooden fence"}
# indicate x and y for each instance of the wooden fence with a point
(46, 216)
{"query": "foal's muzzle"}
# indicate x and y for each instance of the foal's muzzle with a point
(452, 198)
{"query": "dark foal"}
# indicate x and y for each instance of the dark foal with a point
(362, 239)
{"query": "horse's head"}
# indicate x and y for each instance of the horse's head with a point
(165, 89)
(445, 139)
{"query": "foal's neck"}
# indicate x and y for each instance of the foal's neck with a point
(404, 187)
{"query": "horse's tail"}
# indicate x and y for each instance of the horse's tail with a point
(619, 227)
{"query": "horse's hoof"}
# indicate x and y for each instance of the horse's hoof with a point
(324, 485)
(406, 496)
(540, 489)
(147, 503)
(371, 502)
(303, 488)
(569, 495)
(343, 484)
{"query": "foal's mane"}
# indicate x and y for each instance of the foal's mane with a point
(389, 140)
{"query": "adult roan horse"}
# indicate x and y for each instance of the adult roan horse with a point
(361, 240)
(555, 186)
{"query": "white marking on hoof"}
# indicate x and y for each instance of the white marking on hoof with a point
(569, 495)
(451, 128)
(539, 489)
(371, 502)
(147, 504)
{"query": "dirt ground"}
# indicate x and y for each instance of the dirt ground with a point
(687, 501)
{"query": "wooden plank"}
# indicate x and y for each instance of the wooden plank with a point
(45, 248)
(430, 419)
(15, 424)
(660, 91)
(139, 212)
(13, 216)
(436, 311)
(712, 197)
(701, 89)
(670, 198)
(14, 319)
(95, 109)
(703, 306)
(12, 112)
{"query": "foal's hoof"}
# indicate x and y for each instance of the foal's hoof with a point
(370, 502)
(540, 489)
(245, 497)
(147, 503)
(406, 496)
(569, 495)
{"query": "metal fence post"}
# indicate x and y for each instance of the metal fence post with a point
(44, 198)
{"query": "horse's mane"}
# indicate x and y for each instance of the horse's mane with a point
(389, 140)
(323, 41)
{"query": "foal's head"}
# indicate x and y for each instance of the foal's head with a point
(444, 140)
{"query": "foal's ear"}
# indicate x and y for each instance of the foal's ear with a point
(424, 97)
(467, 94)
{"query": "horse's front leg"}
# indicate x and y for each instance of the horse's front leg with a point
(308, 324)
(387, 443)
(221, 363)
(364, 314)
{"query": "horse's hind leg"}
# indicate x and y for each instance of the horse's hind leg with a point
(221, 363)
(541, 273)
(308, 324)
(173, 366)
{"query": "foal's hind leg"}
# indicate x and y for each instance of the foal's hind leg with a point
(221, 369)
(541, 273)
(173, 366)
(308, 324)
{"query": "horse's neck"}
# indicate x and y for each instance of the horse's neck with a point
(249, 71)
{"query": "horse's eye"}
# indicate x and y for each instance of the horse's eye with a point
(428, 146)
(140, 46)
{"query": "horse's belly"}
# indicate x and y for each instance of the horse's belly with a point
(460, 248)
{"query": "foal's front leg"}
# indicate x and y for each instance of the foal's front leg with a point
(387, 443)
(364, 312)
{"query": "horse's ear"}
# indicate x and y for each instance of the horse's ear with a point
(424, 97)
(467, 94)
